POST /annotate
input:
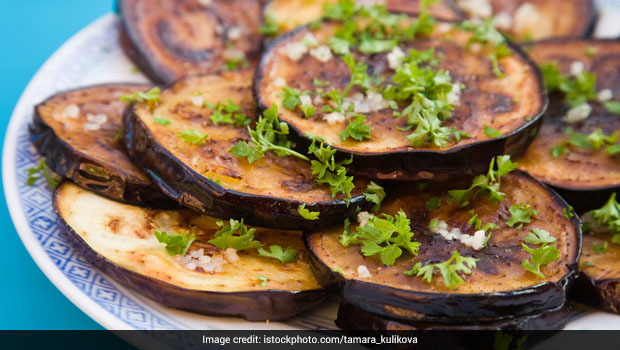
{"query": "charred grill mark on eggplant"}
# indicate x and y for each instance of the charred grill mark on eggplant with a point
(499, 288)
(584, 177)
(118, 239)
(266, 193)
(93, 159)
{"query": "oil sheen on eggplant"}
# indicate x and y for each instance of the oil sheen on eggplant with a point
(498, 288)
(540, 19)
(585, 177)
(354, 318)
(598, 284)
(290, 14)
(92, 158)
(170, 39)
(513, 105)
(119, 240)
(266, 193)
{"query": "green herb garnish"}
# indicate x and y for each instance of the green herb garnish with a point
(543, 255)
(52, 181)
(520, 214)
(227, 113)
(234, 234)
(307, 214)
(176, 244)
(161, 121)
(150, 97)
(449, 269)
(600, 248)
(276, 252)
(375, 194)
(263, 280)
(193, 136)
(490, 132)
(357, 129)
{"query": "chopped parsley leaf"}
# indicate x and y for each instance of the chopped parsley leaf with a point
(520, 214)
(375, 194)
(176, 244)
(449, 269)
(600, 248)
(275, 251)
(307, 214)
(356, 129)
(52, 181)
(193, 136)
(236, 235)
(490, 132)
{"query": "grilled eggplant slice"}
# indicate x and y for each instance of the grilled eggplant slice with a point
(513, 105)
(585, 177)
(119, 239)
(210, 179)
(351, 317)
(168, 40)
(79, 132)
(598, 284)
(289, 14)
(498, 288)
(527, 20)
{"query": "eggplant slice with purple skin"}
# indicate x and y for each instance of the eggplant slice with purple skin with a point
(353, 318)
(210, 179)
(598, 284)
(584, 177)
(512, 105)
(290, 14)
(530, 20)
(498, 288)
(119, 240)
(80, 134)
(170, 39)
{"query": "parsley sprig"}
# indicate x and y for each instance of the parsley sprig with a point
(520, 214)
(594, 141)
(488, 184)
(270, 134)
(426, 91)
(236, 235)
(542, 255)
(386, 236)
(577, 89)
(52, 181)
(330, 172)
(357, 129)
(608, 216)
(375, 194)
(150, 97)
(193, 136)
(306, 213)
(175, 244)
(277, 252)
(227, 113)
(449, 269)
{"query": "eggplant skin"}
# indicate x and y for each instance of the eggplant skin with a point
(252, 305)
(585, 178)
(168, 168)
(599, 286)
(415, 305)
(170, 39)
(401, 162)
(353, 318)
(119, 180)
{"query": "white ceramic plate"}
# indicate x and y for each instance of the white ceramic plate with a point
(94, 56)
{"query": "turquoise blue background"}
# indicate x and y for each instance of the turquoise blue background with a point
(30, 31)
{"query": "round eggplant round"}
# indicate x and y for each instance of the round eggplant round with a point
(210, 179)
(528, 20)
(168, 40)
(511, 105)
(354, 318)
(119, 240)
(497, 288)
(598, 284)
(79, 132)
(290, 14)
(585, 177)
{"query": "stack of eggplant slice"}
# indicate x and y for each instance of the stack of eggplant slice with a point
(389, 151)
